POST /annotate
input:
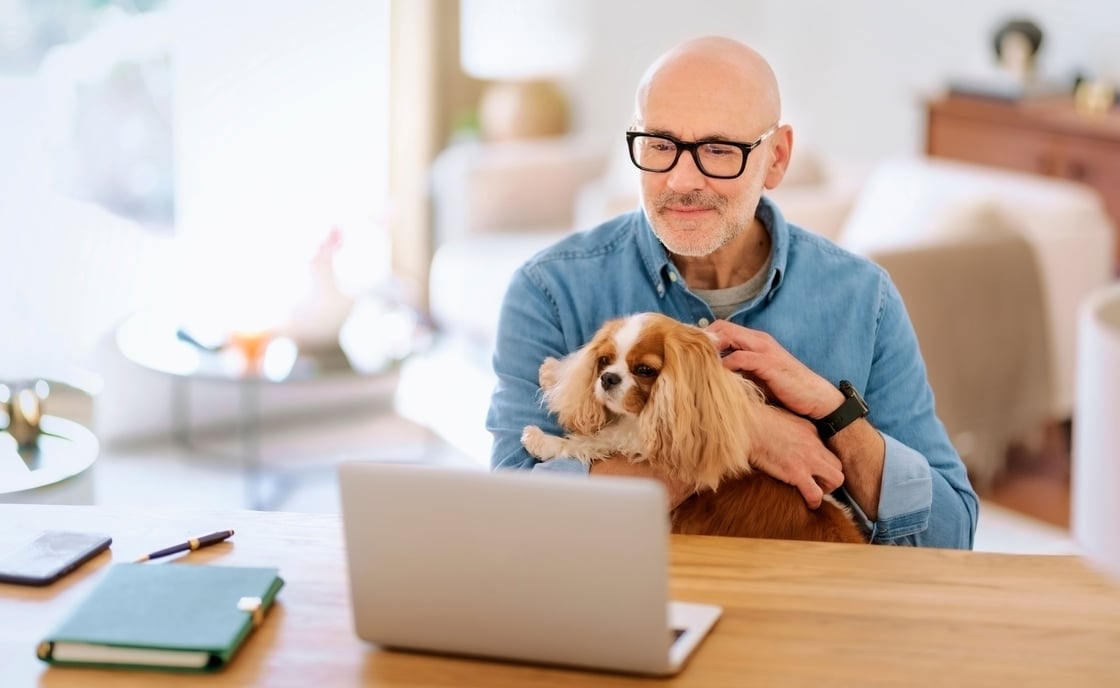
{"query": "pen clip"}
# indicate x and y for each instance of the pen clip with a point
(254, 607)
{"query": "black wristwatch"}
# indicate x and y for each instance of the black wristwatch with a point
(853, 408)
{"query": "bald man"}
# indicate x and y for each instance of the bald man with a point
(823, 331)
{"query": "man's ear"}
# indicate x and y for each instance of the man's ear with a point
(780, 151)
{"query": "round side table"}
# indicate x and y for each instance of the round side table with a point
(47, 471)
(157, 343)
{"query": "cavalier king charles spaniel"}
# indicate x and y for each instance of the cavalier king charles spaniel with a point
(654, 389)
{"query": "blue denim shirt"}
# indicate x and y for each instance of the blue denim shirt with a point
(838, 313)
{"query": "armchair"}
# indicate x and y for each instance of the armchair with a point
(495, 205)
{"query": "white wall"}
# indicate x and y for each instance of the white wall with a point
(280, 133)
(853, 74)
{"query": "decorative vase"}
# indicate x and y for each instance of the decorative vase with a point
(313, 323)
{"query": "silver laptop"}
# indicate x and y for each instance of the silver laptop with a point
(548, 569)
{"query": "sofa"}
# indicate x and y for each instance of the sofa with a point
(1027, 247)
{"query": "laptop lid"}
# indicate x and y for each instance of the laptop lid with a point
(514, 565)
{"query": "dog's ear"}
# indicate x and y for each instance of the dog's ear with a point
(700, 416)
(569, 390)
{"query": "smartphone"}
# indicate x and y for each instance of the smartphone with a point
(50, 556)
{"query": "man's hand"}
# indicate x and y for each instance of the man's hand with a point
(793, 453)
(785, 379)
(621, 465)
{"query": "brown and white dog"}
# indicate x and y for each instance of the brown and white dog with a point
(654, 389)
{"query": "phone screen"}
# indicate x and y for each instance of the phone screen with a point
(50, 556)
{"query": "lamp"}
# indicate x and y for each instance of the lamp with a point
(1096, 431)
(521, 48)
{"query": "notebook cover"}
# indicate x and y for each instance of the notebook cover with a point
(177, 607)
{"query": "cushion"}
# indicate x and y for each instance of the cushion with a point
(902, 206)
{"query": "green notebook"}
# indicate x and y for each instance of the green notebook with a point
(164, 616)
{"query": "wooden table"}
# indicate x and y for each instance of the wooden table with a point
(795, 613)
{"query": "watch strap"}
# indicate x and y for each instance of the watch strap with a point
(852, 409)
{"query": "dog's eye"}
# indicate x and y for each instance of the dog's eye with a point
(604, 361)
(643, 370)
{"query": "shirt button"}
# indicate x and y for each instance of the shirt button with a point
(703, 322)
(660, 290)
(672, 276)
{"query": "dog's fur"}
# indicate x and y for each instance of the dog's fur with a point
(654, 389)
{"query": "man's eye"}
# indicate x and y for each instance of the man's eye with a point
(643, 370)
(717, 150)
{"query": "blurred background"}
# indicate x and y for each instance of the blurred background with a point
(235, 220)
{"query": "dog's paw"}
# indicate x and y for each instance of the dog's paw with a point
(540, 444)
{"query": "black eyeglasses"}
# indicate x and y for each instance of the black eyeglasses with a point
(716, 159)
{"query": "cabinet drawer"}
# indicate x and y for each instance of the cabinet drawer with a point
(1096, 163)
(1017, 148)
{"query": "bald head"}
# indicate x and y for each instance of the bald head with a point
(700, 93)
(713, 71)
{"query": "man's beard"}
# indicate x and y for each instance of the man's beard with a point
(699, 242)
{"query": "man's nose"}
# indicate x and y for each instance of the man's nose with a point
(686, 175)
(609, 380)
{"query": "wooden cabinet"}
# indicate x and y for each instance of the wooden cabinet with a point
(1046, 136)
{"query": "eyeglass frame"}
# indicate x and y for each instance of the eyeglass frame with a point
(691, 147)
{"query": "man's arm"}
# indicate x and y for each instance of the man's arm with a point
(901, 473)
(528, 332)
(858, 449)
(862, 452)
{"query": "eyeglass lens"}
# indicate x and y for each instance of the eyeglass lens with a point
(659, 154)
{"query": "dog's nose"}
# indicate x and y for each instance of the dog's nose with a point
(608, 380)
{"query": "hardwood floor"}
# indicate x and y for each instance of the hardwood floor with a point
(1037, 481)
